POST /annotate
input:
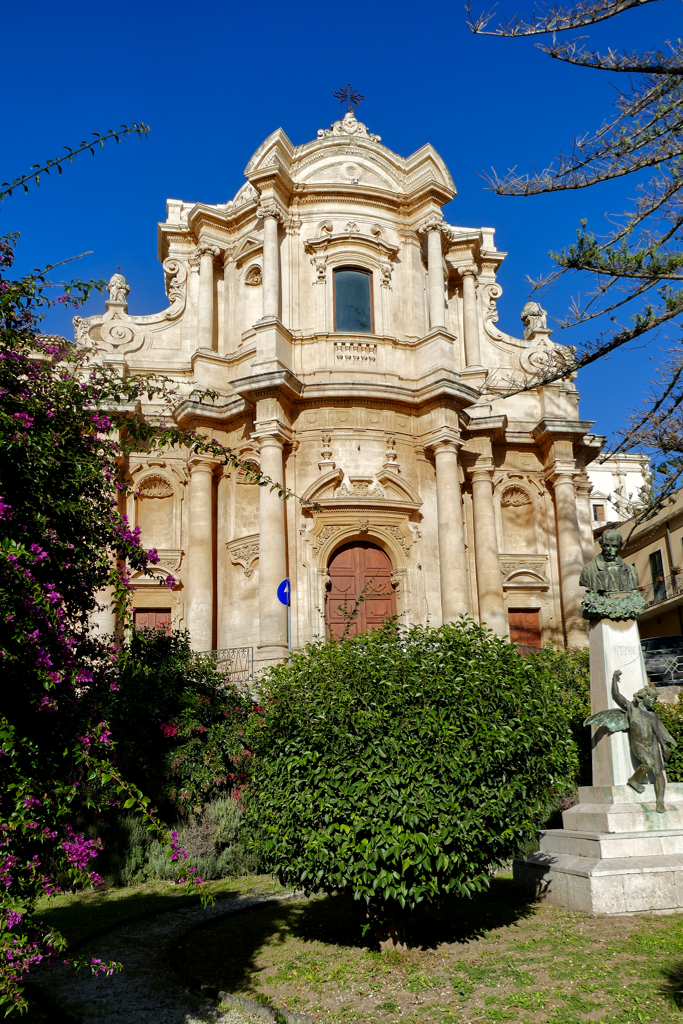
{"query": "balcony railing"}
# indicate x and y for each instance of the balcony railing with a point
(236, 662)
(662, 588)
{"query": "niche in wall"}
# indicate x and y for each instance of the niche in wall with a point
(155, 507)
(518, 518)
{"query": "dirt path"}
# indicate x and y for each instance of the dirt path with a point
(146, 991)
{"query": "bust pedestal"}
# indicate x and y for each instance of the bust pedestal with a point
(615, 853)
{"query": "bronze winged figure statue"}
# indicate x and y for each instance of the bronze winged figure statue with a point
(649, 739)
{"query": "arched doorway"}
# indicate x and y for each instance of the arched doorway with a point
(355, 569)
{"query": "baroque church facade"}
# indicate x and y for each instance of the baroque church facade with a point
(350, 338)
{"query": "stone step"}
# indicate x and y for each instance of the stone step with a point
(610, 845)
(626, 817)
(615, 885)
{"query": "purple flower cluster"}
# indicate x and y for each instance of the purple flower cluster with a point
(79, 850)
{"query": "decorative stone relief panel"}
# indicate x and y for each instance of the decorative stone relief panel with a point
(245, 552)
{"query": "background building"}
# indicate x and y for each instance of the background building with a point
(349, 333)
(617, 484)
(656, 550)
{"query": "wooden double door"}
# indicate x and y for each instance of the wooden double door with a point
(359, 569)
(153, 618)
(525, 627)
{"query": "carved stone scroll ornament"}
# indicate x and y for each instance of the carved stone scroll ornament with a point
(520, 565)
(386, 270)
(244, 553)
(398, 535)
(320, 267)
(175, 274)
(118, 332)
(349, 126)
(325, 534)
(543, 356)
(115, 331)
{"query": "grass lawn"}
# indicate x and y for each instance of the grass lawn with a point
(81, 916)
(493, 959)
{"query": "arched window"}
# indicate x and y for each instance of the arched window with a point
(353, 300)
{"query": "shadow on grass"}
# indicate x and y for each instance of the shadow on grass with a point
(225, 955)
(673, 984)
(89, 914)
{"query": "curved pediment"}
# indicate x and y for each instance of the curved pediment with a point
(385, 488)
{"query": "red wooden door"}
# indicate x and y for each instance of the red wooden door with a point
(525, 627)
(359, 569)
(152, 618)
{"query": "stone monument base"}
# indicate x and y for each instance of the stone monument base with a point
(615, 854)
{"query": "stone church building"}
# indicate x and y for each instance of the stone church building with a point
(349, 334)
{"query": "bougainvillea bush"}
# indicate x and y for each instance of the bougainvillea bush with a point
(401, 765)
(63, 543)
(178, 725)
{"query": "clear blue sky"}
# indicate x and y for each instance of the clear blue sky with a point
(213, 80)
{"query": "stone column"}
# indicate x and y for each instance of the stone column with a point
(570, 557)
(470, 315)
(104, 621)
(223, 520)
(452, 564)
(200, 557)
(272, 567)
(489, 580)
(437, 305)
(272, 215)
(583, 513)
(206, 254)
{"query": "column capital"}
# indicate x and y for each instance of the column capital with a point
(201, 465)
(269, 208)
(481, 470)
(206, 249)
(469, 270)
(268, 435)
(560, 473)
(444, 439)
(431, 224)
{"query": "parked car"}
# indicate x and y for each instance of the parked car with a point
(663, 657)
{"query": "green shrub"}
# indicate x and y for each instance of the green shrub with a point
(402, 764)
(672, 716)
(177, 725)
(212, 839)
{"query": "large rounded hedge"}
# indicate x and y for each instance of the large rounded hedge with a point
(402, 764)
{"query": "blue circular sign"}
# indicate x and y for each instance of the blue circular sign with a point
(283, 592)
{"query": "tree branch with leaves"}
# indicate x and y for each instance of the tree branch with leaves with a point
(635, 269)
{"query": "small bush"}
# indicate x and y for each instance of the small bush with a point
(672, 716)
(212, 839)
(176, 723)
(402, 764)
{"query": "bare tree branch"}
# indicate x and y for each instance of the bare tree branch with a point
(551, 19)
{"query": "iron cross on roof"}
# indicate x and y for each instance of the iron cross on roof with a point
(347, 94)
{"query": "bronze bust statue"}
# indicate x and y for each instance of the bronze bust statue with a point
(612, 584)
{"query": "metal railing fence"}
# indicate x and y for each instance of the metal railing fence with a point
(236, 663)
(662, 588)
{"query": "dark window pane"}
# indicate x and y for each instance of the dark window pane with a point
(352, 301)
